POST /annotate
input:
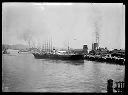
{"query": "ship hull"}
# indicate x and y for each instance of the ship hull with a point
(62, 57)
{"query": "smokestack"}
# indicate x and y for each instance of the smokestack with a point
(97, 24)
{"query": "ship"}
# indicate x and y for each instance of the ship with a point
(48, 53)
(57, 56)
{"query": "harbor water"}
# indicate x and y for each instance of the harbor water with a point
(23, 73)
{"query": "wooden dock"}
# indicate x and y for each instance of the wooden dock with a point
(112, 60)
(119, 87)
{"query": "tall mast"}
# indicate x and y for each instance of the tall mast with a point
(68, 45)
(47, 45)
(42, 46)
(51, 44)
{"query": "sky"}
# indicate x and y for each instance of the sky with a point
(71, 23)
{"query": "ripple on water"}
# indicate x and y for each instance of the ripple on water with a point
(24, 73)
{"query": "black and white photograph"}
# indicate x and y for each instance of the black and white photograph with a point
(63, 47)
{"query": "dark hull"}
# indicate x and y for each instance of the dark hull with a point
(62, 57)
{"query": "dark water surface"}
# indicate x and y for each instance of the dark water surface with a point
(24, 73)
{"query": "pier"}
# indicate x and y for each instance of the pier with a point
(111, 60)
(99, 54)
(118, 88)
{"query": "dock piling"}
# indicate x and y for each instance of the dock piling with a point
(110, 86)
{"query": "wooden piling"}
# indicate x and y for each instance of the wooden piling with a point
(119, 87)
(110, 86)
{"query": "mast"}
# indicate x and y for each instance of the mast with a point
(51, 44)
(68, 45)
(43, 47)
(46, 45)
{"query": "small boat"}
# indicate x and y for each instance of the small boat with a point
(23, 51)
(5, 52)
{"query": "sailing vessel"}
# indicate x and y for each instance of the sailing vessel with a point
(50, 53)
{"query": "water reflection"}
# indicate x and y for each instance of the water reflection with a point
(73, 62)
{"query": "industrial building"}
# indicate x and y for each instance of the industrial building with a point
(85, 49)
(94, 46)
